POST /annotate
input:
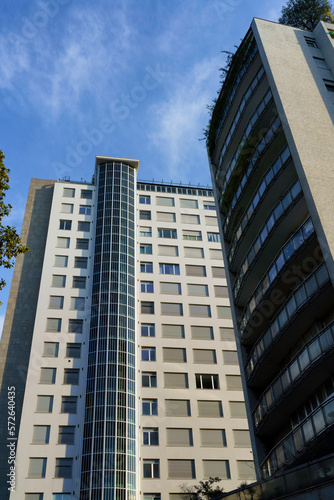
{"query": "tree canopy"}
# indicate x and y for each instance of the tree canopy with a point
(10, 242)
(204, 490)
(306, 14)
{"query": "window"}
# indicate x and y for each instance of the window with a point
(71, 376)
(63, 467)
(172, 331)
(224, 312)
(51, 349)
(216, 254)
(241, 438)
(82, 244)
(179, 437)
(147, 307)
(144, 200)
(58, 281)
(167, 233)
(176, 380)
(238, 409)
(145, 214)
(75, 325)
(56, 302)
(205, 356)
(148, 354)
(150, 407)
(79, 282)
(68, 193)
(202, 332)
(146, 267)
(211, 221)
(195, 270)
(147, 330)
(210, 409)
(145, 231)
(165, 201)
(226, 333)
(177, 408)
(206, 381)
(320, 63)
(53, 324)
(221, 291)
(37, 468)
(68, 404)
(214, 237)
(181, 469)
(145, 248)
(174, 355)
(86, 194)
(169, 269)
(63, 242)
(80, 262)
(152, 496)
(66, 434)
(85, 210)
(41, 434)
(83, 226)
(246, 469)
(218, 272)
(187, 203)
(67, 208)
(191, 235)
(149, 379)
(78, 303)
(166, 217)
(193, 252)
(61, 261)
(310, 42)
(48, 376)
(230, 358)
(213, 438)
(233, 383)
(73, 350)
(65, 224)
(33, 496)
(170, 288)
(216, 468)
(168, 250)
(171, 309)
(146, 286)
(199, 311)
(44, 404)
(198, 290)
(151, 436)
(190, 219)
(151, 469)
(61, 496)
(209, 205)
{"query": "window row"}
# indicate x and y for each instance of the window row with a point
(79, 262)
(169, 201)
(51, 350)
(191, 270)
(186, 234)
(45, 404)
(171, 217)
(172, 288)
(86, 194)
(168, 188)
(55, 324)
(59, 281)
(183, 437)
(37, 468)
(176, 309)
(76, 303)
(68, 208)
(55, 496)
(66, 225)
(81, 243)
(174, 380)
(178, 332)
(41, 434)
(48, 376)
(179, 355)
(173, 251)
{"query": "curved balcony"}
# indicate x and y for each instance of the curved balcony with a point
(264, 186)
(295, 372)
(280, 210)
(278, 266)
(300, 439)
(299, 299)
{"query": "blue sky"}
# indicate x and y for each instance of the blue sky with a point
(128, 78)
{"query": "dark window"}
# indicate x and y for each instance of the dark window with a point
(207, 381)
(71, 376)
(73, 350)
(63, 467)
(145, 214)
(79, 282)
(83, 226)
(82, 243)
(80, 262)
(68, 404)
(87, 194)
(66, 434)
(85, 210)
(75, 325)
(65, 224)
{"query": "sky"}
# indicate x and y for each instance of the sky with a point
(124, 78)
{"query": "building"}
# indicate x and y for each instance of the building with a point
(271, 151)
(119, 334)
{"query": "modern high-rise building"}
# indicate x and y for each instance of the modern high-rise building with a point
(118, 344)
(271, 151)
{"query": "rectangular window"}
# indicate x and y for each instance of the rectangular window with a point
(56, 302)
(148, 354)
(150, 436)
(80, 262)
(199, 311)
(177, 408)
(195, 270)
(87, 194)
(152, 496)
(82, 244)
(83, 226)
(238, 409)
(172, 331)
(167, 233)
(77, 303)
(209, 205)
(165, 201)
(224, 312)
(68, 193)
(218, 272)
(147, 330)
(61, 260)
(174, 355)
(146, 267)
(198, 290)
(311, 42)
(33, 496)
(73, 350)
(53, 324)
(193, 252)
(63, 242)
(171, 309)
(216, 254)
(170, 288)
(145, 214)
(71, 376)
(67, 208)
(168, 250)
(44, 404)
(241, 438)
(226, 333)
(41, 434)
(48, 376)
(213, 438)
(85, 210)
(63, 467)
(202, 332)
(145, 248)
(246, 469)
(144, 200)
(65, 224)
(66, 434)
(149, 379)
(320, 63)
(221, 291)
(169, 269)
(51, 349)
(181, 469)
(150, 407)
(191, 235)
(176, 380)
(216, 468)
(190, 219)
(179, 437)
(205, 356)
(75, 325)
(147, 307)
(166, 217)
(79, 282)
(37, 468)
(58, 281)
(151, 469)
(211, 221)
(187, 203)
(68, 404)
(61, 496)
(210, 409)
(230, 358)
(206, 381)
(145, 231)
(233, 383)
(214, 237)
(146, 287)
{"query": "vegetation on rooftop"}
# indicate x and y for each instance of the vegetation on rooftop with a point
(305, 14)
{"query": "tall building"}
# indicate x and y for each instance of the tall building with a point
(271, 151)
(119, 334)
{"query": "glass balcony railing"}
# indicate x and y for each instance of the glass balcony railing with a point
(280, 210)
(313, 350)
(276, 268)
(261, 191)
(285, 315)
(299, 438)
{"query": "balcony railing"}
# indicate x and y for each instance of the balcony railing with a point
(299, 438)
(317, 347)
(305, 292)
